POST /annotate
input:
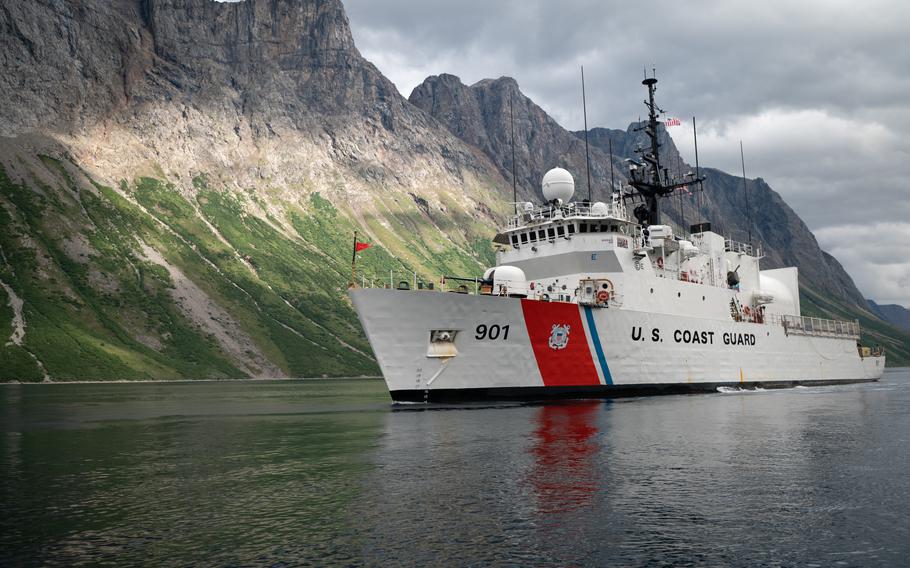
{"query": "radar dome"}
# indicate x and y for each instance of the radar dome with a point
(558, 184)
(509, 281)
(600, 209)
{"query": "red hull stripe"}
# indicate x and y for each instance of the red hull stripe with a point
(559, 343)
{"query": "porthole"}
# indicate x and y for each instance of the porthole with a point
(652, 290)
(702, 298)
(679, 294)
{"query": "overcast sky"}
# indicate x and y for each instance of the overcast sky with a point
(816, 90)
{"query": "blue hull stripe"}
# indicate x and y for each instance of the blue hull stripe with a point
(598, 348)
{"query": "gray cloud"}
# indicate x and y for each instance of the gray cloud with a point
(816, 90)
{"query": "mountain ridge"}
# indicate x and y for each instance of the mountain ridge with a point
(895, 314)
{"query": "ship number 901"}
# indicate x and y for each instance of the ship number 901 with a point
(491, 332)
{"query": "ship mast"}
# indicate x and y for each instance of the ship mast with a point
(654, 183)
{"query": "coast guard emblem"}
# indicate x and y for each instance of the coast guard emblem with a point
(559, 337)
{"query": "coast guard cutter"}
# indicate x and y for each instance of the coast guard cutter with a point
(587, 300)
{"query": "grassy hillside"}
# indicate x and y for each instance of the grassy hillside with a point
(146, 282)
(874, 331)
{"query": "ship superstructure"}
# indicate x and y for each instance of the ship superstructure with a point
(588, 300)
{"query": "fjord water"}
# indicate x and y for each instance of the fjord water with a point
(328, 472)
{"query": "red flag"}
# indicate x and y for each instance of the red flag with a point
(359, 246)
(674, 122)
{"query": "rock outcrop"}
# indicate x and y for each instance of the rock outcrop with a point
(480, 115)
(70, 64)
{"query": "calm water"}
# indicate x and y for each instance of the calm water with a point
(328, 473)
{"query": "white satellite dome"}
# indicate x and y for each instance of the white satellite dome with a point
(599, 209)
(509, 280)
(558, 184)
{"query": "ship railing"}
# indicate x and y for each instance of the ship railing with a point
(476, 286)
(541, 213)
(805, 325)
(743, 248)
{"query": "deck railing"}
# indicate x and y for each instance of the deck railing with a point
(745, 248)
(805, 325)
(538, 213)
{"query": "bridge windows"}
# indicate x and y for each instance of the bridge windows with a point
(553, 232)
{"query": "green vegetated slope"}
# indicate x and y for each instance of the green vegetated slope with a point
(146, 282)
(874, 330)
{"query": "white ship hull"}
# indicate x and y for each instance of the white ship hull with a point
(507, 348)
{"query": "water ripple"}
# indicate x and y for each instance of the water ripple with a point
(329, 473)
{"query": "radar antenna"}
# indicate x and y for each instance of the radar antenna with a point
(654, 182)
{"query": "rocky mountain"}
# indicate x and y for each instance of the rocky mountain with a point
(180, 182)
(480, 115)
(893, 313)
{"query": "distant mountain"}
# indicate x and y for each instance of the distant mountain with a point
(893, 313)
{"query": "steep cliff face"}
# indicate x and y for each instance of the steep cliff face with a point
(66, 63)
(181, 180)
(69, 64)
(479, 114)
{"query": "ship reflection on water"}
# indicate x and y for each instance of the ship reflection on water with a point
(565, 449)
